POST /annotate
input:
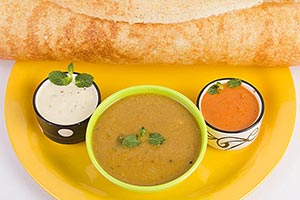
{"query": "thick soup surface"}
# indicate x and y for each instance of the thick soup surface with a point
(232, 109)
(146, 164)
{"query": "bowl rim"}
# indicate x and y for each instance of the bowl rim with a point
(57, 124)
(144, 89)
(260, 98)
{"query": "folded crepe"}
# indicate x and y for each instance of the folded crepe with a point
(232, 32)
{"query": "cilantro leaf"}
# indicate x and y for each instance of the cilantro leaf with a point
(84, 80)
(214, 89)
(155, 139)
(235, 82)
(143, 131)
(131, 141)
(59, 78)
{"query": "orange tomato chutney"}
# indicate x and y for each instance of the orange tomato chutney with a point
(146, 164)
(232, 109)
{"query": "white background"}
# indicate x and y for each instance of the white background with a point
(15, 183)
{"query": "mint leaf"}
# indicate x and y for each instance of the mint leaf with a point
(214, 89)
(143, 131)
(84, 80)
(59, 78)
(235, 82)
(155, 139)
(62, 78)
(131, 141)
(71, 69)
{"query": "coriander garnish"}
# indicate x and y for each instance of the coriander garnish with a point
(214, 89)
(142, 131)
(235, 82)
(135, 140)
(156, 139)
(131, 141)
(61, 78)
(232, 83)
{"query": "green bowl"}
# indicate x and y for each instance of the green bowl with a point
(142, 89)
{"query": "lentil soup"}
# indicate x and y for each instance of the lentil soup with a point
(146, 164)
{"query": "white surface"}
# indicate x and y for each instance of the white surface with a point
(15, 183)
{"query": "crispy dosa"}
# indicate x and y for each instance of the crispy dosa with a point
(154, 11)
(266, 34)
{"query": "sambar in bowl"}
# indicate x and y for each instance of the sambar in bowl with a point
(146, 138)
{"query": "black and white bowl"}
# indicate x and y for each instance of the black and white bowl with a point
(63, 112)
(233, 140)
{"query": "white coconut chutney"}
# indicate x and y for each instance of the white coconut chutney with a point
(65, 105)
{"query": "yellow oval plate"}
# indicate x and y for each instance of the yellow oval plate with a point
(66, 172)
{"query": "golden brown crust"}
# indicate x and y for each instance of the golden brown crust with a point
(154, 11)
(265, 35)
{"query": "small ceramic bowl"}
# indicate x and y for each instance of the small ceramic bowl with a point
(147, 89)
(63, 112)
(237, 139)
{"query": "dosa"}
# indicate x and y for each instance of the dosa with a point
(133, 31)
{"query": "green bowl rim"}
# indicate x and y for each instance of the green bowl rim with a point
(143, 89)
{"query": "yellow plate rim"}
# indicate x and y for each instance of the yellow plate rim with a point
(28, 166)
